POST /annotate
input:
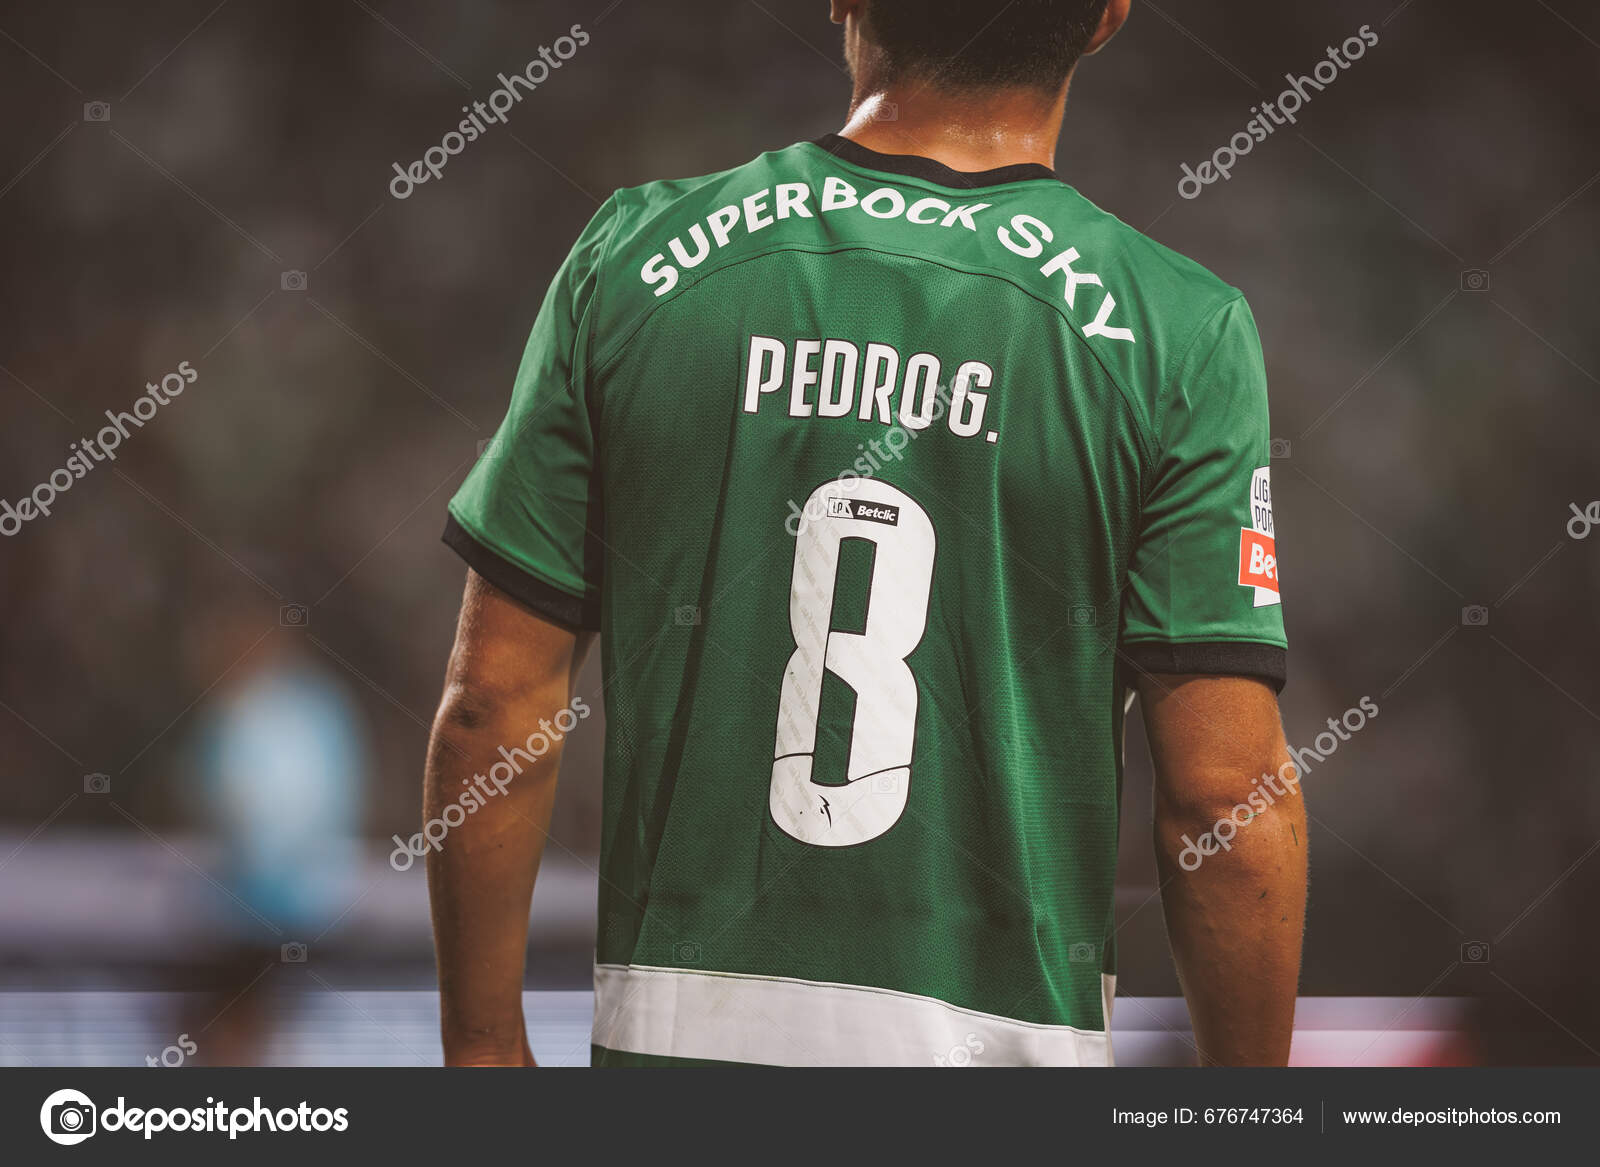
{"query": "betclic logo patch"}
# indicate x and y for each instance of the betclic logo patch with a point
(872, 512)
(1258, 548)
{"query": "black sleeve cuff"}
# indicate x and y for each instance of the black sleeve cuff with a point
(550, 602)
(1223, 658)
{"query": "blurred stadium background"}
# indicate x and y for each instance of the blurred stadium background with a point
(220, 653)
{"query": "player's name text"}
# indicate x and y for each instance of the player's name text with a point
(830, 377)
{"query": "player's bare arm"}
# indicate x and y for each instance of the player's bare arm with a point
(509, 670)
(1235, 913)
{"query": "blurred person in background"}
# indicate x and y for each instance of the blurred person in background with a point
(279, 781)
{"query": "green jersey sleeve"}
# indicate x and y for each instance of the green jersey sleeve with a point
(527, 518)
(1202, 592)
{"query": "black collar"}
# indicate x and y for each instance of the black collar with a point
(916, 166)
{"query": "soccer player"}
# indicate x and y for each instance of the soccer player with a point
(886, 467)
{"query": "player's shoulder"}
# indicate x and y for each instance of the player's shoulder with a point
(1169, 311)
(644, 210)
(650, 238)
(1172, 294)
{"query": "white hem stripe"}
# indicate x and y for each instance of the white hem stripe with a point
(688, 1013)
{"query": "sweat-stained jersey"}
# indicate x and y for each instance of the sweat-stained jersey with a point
(878, 480)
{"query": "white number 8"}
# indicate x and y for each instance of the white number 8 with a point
(872, 662)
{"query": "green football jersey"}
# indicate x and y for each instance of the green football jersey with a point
(879, 480)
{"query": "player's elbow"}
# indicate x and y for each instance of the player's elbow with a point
(1213, 811)
(1194, 800)
(478, 702)
(466, 708)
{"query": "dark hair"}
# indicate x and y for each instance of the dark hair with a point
(965, 44)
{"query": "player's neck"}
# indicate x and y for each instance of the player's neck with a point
(963, 133)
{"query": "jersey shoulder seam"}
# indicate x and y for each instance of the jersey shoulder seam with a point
(1182, 358)
(592, 310)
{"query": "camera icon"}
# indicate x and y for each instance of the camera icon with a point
(686, 616)
(97, 111)
(686, 952)
(70, 1121)
(1475, 279)
(294, 616)
(886, 783)
(293, 952)
(1475, 952)
(1081, 953)
(1475, 616)
(886, 111)
(1280, 447)
(1084, 616)
(97, 783)
(292, 281)
(491, 447)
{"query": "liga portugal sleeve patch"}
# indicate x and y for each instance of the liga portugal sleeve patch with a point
(1258, 549)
